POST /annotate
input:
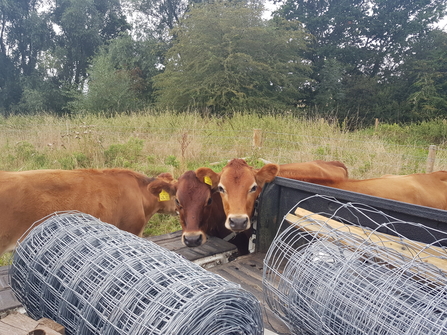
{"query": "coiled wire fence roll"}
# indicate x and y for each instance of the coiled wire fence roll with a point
(324, 277)
(96, 279)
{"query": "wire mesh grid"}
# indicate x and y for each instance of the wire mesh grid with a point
(322, 276)
(95, 279)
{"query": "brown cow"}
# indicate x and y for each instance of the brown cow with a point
(120, 197)
(240, 184)
(201, 213)
(428, 190)
(315, 169)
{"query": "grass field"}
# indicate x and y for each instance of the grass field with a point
(152, 143)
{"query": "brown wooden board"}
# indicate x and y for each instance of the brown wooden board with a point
(19, 324)
(8, 301)
(212, 247)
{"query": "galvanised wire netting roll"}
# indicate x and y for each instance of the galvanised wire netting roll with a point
(96, 279)
(324, 277)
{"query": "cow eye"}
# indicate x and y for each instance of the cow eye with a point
(221, 189)
(177, 203)
(253, 189)
(209, 201)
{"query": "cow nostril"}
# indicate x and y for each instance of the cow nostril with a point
(232, 224)
(238, 224)
(193, 240)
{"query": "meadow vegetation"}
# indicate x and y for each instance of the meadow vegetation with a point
(153, 143)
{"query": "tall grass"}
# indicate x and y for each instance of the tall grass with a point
(152, 143)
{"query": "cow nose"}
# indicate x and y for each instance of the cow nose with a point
(192, 240)
(238, 223)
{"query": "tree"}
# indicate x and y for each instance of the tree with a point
(226, 57)
(47, 46)
(330, 90)
(10, 89)
(85, 26)
(120, 78)
(25, 35)
(371, 36)
(366, 38)
(156, 17)
(426, 73)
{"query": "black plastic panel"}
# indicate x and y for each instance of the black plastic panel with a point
(282, 195)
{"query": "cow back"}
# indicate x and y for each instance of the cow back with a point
(117, 196)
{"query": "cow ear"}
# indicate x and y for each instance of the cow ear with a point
(208, 176)
(162, 190)
(266, 174)
(166, 176)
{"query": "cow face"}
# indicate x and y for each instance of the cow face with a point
(239, 186)
(163, 187)
(194, 201)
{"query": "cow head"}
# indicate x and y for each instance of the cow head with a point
(239, 186)
(195, 199)
(163, 187)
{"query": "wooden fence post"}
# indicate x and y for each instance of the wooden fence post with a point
(431, 158)
(257, 138)
(376, 125)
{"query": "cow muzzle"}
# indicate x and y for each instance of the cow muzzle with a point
(193, 239)
(238, 223)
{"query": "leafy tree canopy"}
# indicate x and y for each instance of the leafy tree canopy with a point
(225, 57)
(120, 78)
(84, 26)
(369, 35)
(357, 51)
(426, 73)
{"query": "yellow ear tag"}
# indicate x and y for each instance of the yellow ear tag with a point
(207, 180)
(164, 196)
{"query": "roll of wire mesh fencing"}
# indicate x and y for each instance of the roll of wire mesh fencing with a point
(325, 277)
(93, 278)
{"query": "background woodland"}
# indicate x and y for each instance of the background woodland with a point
(350, 60)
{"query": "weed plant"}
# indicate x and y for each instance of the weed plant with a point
(151, 142)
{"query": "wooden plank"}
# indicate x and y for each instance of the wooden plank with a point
(20, 324)
(4, 280)
(20, 321)
(10, 330)
(53, 325)
(160, 238)
(213, 246)
(414, 250)
(45, 331)
(8, 300)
